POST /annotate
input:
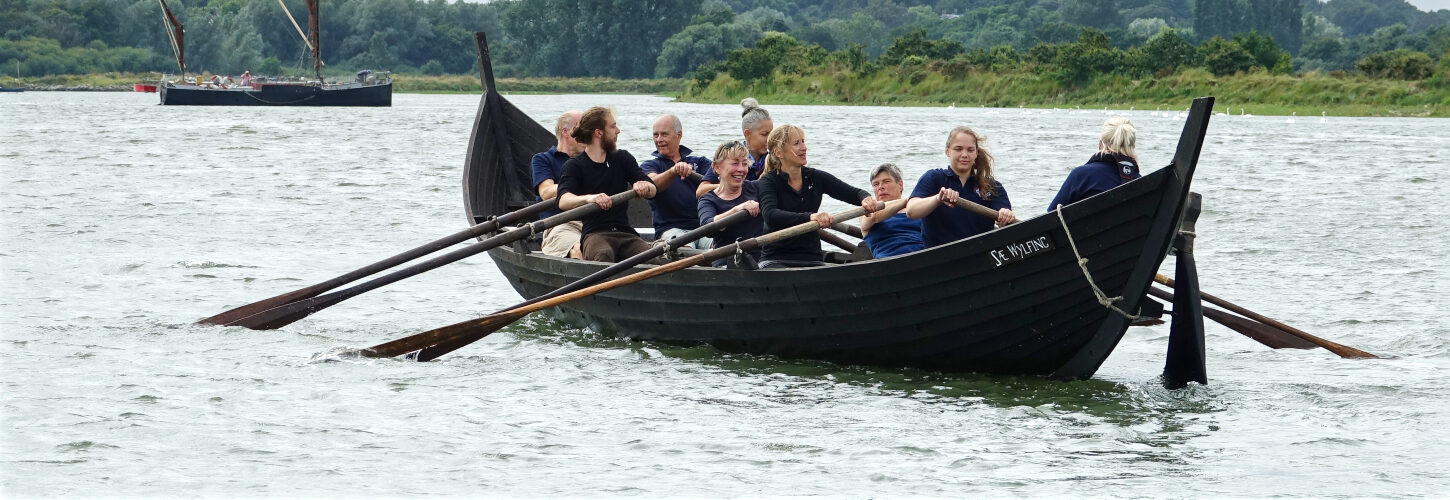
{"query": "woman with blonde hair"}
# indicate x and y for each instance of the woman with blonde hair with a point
(790, 194)
(1113, 164)
(968, 176)
(733, 194)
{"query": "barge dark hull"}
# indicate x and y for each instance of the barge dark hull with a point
(380, 95)
(953, 308)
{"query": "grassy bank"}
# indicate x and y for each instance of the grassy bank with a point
(1256, 93)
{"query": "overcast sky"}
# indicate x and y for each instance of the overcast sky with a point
(1429, 5)
(1425, 5)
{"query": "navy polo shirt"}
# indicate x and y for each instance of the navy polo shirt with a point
(947, 224)
(896, 235)
(1101, 173)
(757, 166)
(548, 165)
(674, 206)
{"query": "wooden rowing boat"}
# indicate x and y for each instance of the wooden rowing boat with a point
(1011, 301)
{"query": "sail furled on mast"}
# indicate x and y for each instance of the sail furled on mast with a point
(176, 34)
(314, 34)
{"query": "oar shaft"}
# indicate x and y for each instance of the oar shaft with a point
(471, 328)
(433, 352)
(433, 246)
(287, 314)
(1341, 350)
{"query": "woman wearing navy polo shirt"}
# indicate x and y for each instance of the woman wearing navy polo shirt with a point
(790, 194)
(968, 176)
(1113, 164)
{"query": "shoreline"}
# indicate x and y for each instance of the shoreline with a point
(456, 85)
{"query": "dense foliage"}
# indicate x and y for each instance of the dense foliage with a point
(748, 39)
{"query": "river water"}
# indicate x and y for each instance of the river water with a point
(125, 221)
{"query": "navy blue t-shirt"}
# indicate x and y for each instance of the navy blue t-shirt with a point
(710, 205)
(548, 165)
(1102, 172)
(616, 175)
(674, 206)
(947, 224)
(896, 235)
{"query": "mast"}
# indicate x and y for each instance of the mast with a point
(175, 33)
(314, 33)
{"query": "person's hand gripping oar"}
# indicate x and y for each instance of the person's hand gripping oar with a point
(475, 329)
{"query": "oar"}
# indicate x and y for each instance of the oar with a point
(478, 328)
(436, 351)
(476, 230)
(286, 314)
(1341, 350)
(1264, 334)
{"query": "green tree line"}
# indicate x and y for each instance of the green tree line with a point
(675, 38)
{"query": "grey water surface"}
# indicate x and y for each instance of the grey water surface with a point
(125, 221)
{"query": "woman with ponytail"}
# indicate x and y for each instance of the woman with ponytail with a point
(790, 194)
(756, 125)
(968, 176)
(1113, 164)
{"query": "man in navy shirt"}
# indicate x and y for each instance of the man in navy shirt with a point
(563, 239)
(674, 209)
(968, 176)
(592, 177)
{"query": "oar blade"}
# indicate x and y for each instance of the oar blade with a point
(286, 314)
(237, 313)
(473, 329)
(1264, 334)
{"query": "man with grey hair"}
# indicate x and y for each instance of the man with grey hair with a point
(561, 240)
(674, 208)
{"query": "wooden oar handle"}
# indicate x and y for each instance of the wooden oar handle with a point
(847, 229)
(976, 208)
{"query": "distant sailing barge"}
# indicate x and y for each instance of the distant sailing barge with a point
(366, 90)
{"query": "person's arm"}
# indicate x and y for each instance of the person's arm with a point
(569, 181)
(892, 207)
(548, 189)
(664, 178)
(705, 210)
(925, 197)
(543, 175)
(641, 183)
(840, 190)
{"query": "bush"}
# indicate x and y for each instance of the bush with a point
(1225, 57)
(1401, 64)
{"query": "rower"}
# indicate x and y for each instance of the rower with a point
(561, 240)
(968, 176)
(674, 209)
